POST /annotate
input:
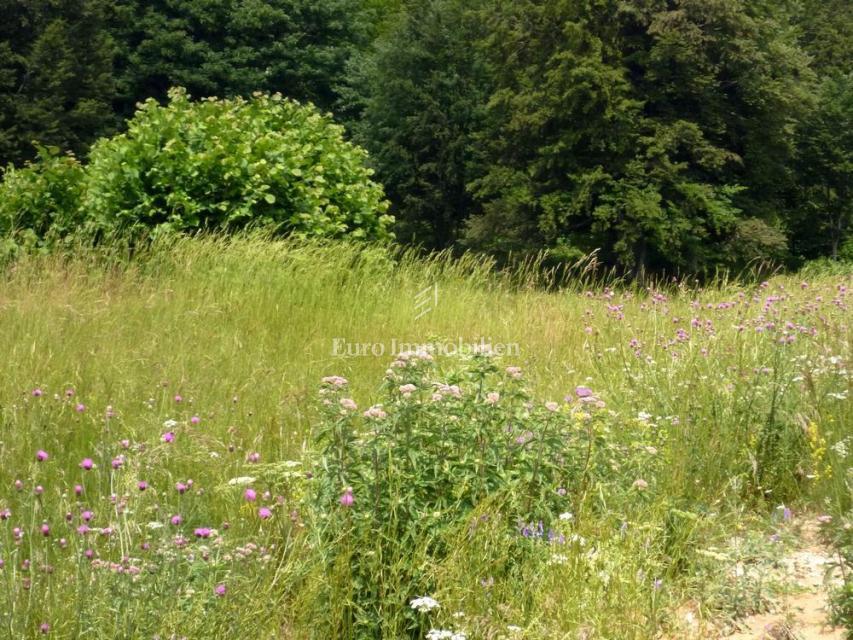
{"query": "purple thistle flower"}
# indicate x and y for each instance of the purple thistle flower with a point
(346, 499)
(44, 628)
(177, 520)
(168, 436)
(87, 516)
(80, 408)
(250, 495)
(220, 590)
(181, 487)
(202, 532)
(37, 393)
(195, 420)
(78, 489)
(41, 455)
(142, 485)
(86, 464)
(264, 513)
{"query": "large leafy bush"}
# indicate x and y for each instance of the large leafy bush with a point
(40, 202)
(230, 163)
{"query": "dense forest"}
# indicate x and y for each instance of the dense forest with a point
(673, 136)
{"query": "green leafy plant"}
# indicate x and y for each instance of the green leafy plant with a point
(40, 203)
(393, 483)
(229, 164)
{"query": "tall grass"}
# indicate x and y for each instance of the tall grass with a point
(243, 329)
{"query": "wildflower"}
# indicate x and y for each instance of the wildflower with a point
(346, 499)
(19, 485)
(202, 532)
(349, 404)
(583, 392)
(824, 519)
(176, 520)
(220, 590)
(168, 437)
(250, 495)
(181, 487)
(37, 393)
(117, 462)
(375, 411)
(492, 397)
(566, 517)
(142, 485)
(38, 490)
(253, 457)
(424, 604)
(83, 529)
(335, 381)
(640, 484)
(195, 420)
(44, 628)
(408, 389)
(45, 530)
(87, 516)
(551, 406)
(514, 372)
(178, 399)
(80, 407)
(5, 514)
(264, 513)
(86, 464)
(657, 584)
(41, 455)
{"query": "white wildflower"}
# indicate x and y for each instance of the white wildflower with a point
(424, 604)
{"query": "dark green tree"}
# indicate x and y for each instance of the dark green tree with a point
(650, 129)
(236, 47)
(56, 83)
(423, 93)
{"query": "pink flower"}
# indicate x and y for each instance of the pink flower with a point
(195, 420)
(45, 530)
(142, 485)
(44, 628)
(346, 499)
(250, 495)
(220, 590)
(492, 397)
(87, 464)
(168, 436)
(177, 520)
(349, 404)
(202, 532)
(87, 516)
(178, 398)
(118, 462)
(375, 411)
(253, 457)
(41, 455)
(335, 381)
(38, 490)
(78, 489)
(583, 392)
(181, 487)
(80, 408)
(551, 406)
(37, 393)
(264, 513)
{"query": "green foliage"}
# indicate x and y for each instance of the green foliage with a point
(226, 48)
(634, 127)
(423, 464)
(228, 164)
(56, 84)
(40, 203)
(423, 96)
(825, 169)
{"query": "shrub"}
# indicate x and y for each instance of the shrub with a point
(395, 484)
(228, 164)
(40, 203)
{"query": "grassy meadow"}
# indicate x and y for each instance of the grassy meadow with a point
(161, 445)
